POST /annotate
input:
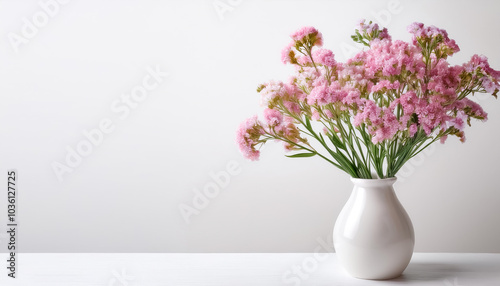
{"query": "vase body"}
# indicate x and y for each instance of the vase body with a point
(373, 234)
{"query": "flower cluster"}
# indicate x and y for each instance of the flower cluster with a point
(248, 137)
(379, 108)
(428, 36)
(367, 32)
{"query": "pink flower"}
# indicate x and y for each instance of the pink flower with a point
(304, 60)
(367, 28)
(308, 34)
(315, 115)
(384, 34)
(270, 91)
(461, 135)
(415, 28)
(287, 54)
(370, 114)
(459, 121)
(306, 77)
(489, 85)
(353, 96)
(328, 113)
(324, 57)
(413, 129)
(385, 84)
(431, 35)
(292, 107)
(247, 137)
(372, 31)
(391, 58)
(443, 139)
(291, 133)
(409, 102)
(273, 117)
(323, 95)
(431, 116)
(287, 120)
(473, 109)
(479, 67)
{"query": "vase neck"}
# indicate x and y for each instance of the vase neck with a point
(374, 190)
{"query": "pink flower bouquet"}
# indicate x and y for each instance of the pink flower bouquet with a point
(377, 110)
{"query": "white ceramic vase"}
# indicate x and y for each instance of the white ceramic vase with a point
(373, 235)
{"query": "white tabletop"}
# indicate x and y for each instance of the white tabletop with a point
(258, 269)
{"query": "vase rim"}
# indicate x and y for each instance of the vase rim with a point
(374, 182)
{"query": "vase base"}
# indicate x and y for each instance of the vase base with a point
(389, 277)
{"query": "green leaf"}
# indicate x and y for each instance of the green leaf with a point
(301, 155)
(322, 139)
(336, 141)
(308, 122)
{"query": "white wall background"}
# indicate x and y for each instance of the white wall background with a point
(125, 195)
